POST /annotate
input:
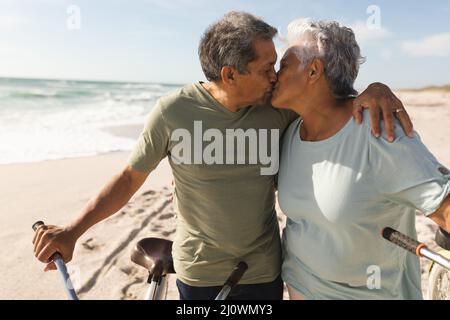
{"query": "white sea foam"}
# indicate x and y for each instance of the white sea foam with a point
(45, 119)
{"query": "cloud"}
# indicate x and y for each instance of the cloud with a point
(365, 34)
(176, 4)
(11, 21)
(386, 54)
(437, 45)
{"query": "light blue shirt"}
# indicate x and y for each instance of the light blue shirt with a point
(338, 194)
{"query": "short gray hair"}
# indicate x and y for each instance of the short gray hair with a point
(335, 45)
(230, 42)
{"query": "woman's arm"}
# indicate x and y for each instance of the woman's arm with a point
(406, 173)
(442, 215)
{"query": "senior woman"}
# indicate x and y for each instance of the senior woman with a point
(339, 185)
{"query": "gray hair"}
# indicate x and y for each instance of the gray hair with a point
(335, 45)
(229, 42)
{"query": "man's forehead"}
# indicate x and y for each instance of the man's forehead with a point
(265, 51)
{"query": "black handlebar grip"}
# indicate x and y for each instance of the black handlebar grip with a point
(37, 224)
(237, 274)
(402, 240)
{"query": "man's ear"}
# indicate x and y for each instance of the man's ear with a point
(227, 74)
(316, 69)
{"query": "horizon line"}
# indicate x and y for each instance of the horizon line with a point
(91, 80)
(424, 87)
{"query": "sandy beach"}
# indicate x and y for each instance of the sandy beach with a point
(55, 191)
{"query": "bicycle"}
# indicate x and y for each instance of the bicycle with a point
(155, 255)
(439, 271)
(439, 277)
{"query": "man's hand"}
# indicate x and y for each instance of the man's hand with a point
(51, 239)
(378, 97)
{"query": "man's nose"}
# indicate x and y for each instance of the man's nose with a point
(273, 77)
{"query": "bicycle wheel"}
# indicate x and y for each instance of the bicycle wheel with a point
(439, 283)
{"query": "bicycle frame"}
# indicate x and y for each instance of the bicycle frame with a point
(159, 284)
(158, 288)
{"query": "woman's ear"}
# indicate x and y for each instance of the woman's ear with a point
(316, 69)
(227, 75)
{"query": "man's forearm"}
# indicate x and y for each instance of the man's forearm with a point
(111, 198)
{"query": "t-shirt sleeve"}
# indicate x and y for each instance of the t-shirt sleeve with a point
(152, 144)
(407, 173)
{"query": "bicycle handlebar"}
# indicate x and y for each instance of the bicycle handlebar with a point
(37, 224)
(414, 246)
(403, 241)
(61, 266)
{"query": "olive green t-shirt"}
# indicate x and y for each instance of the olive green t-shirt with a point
(224, 165)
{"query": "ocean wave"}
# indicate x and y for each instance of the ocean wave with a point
(49, 94)
(145, 93)
(144, 86)
(44, 119)
(38, 144)
(142, 96)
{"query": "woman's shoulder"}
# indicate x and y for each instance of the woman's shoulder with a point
(292, 129)
(398, 130)
(403, 151)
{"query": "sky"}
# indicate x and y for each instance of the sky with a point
(406, 43)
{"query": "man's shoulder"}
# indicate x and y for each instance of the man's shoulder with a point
(280, 117)
(180, 95)
(269, 109)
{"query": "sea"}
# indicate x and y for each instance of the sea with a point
(58, 119)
